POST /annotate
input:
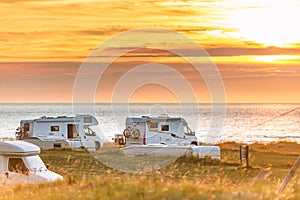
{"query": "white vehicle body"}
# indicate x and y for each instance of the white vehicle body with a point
(50, 132)
(164, 135)
(213, 152)
(20, 163)
(158, 130)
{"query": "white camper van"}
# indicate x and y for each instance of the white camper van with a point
(20, 163)
(164, 135)
(61, 131)
(158, 130)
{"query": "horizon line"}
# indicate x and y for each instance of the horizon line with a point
(2, 103)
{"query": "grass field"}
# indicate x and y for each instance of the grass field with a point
(187, 178)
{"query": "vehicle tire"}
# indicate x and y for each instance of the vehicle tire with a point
(188, 152)
(194, 143)
(126, 133)
(136, 133)
(97, 146)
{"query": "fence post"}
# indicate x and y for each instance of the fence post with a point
(290, 175)
(244, 155)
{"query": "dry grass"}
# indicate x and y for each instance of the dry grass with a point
(187, 178)
(278, 147)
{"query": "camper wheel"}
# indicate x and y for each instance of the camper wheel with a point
(188, 152)
(194, 143)
(97, 145)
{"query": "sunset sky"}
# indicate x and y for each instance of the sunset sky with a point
(254, 43)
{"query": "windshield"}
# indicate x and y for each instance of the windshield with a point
(34, 163)
(89, 132)
(188, 131)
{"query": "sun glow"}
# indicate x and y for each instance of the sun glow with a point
(271, 23)
(278, 58)
(254, 43)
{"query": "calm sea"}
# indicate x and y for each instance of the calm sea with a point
(243, 122)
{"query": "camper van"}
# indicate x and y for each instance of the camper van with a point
(163, 129)
(20, 163)
(164, 135)
(62, 131)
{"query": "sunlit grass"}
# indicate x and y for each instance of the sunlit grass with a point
(187, 178)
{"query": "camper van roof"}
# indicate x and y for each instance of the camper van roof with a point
(92, 120)
(145, 119)
(18, 148)
(167, 118)
(137, 119)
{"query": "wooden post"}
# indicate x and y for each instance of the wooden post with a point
(241, 158)
(244, 154)
(247, 156)
(290, 175)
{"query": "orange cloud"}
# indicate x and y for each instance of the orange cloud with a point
(44, 42)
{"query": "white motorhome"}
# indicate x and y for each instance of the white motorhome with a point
(158, 130)
(164, 135)
(61, 131)
(20, 163)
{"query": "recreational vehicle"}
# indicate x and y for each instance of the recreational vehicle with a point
(61, 131)
(164, 135)
(158, 130)
(20, 163)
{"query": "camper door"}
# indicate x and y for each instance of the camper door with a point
(165, 133)
(73, 131)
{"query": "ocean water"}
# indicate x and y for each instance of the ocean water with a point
(242, 122)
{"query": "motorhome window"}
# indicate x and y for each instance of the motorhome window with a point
(153, 125)
(54, 128)
(88, 120)
(17, 165)
(165, 128)
(26, 127)
(188, 131)
(35, 163)
(89, 132)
